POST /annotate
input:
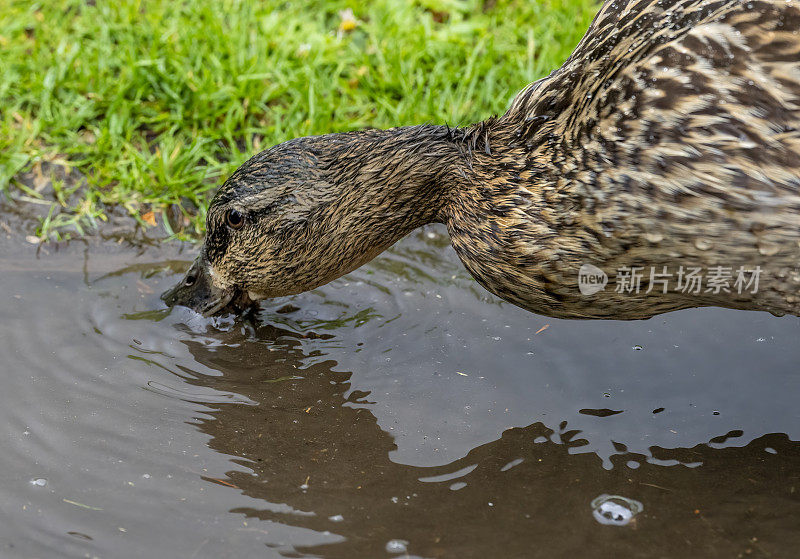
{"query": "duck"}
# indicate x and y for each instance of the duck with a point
(657, 169)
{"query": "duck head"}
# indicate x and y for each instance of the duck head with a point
(310, 210)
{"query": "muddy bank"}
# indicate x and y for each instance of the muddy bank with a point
(50, 192)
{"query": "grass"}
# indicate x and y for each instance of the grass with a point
(154, 102)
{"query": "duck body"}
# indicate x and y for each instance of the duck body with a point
(669, 142)
(671, 137)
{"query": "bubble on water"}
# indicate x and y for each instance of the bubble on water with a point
(396, 546)
(39, 482)
(615, 510)
(336, 518)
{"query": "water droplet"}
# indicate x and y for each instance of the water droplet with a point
(396, 546)
(702, 244)
(39, 482)
(614, 510)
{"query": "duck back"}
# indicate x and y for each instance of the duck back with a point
(668, 141)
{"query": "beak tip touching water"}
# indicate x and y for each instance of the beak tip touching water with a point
(197, 292)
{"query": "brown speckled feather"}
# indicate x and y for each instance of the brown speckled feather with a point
(670, 137)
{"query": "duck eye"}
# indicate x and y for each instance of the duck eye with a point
(234, 219)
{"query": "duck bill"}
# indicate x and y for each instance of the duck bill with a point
(197, 291)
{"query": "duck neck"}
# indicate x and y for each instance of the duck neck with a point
(392, 181)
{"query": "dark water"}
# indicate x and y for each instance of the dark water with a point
(399, 411)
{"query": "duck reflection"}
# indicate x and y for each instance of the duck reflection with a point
(319, 460)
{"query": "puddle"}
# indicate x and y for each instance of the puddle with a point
(400, 411)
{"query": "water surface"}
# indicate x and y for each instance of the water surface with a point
(400, 411)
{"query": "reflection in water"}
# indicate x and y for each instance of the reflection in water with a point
(320, 463)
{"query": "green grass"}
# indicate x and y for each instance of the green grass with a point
(155, 102)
